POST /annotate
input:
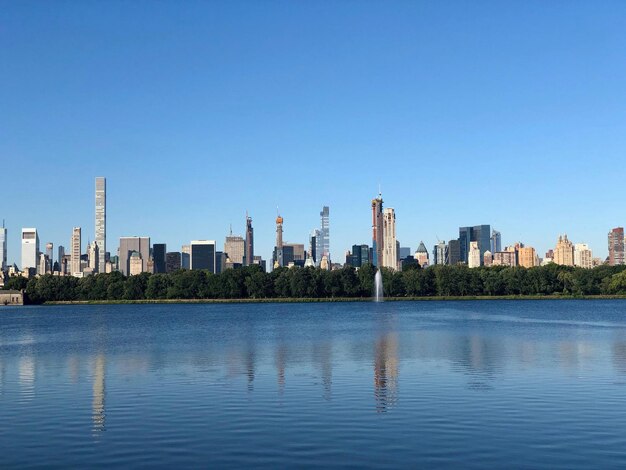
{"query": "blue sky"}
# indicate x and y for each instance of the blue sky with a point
(466, 113)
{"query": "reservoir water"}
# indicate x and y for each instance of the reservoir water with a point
(384, 385)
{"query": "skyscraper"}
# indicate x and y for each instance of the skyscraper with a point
(49, 248)
(129, 244)
(203, 255)
(564, 252)
(93, 255)
(185, 257)
(527, 256)
(158, 255)
(421, 255)
(173, 262)
(60, 256)
(75, 246)
(249, 248)
(478, 233)
(583, 257)
(30, 248)
(3, 248)
(234, 247)
(101, 222)
(390, 246)
(496, 241)
(325, 231)
(440, 253)
(616, 246)
(377, 231)
(473, 257)
(314, 246)
(454, 252)
(278, 261)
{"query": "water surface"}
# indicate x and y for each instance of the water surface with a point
(396, 384)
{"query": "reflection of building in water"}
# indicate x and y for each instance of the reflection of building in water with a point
(323, 354)
(281, 360)
(386, 372)
(97, 404)
(250, 369)
(27, 376)
(619, 355)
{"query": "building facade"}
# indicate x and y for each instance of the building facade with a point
(185, 257)
(616, 246)
(234, 247)
(496, 241)
(564, 251)
(101, 222)
(75, 252)
(278, 258)
(421, 255)
(248, 258)
(478, 233)
(390, 245)
(454, 252)
(30, 248)
(440, 253)
(325, 231)
(129, 244)
(3, 248)
(527, 256)
(377, 231)
(172, 261)
(505, 258)
(203, 255)
(583, 257)
(473, 257)
(159, 251)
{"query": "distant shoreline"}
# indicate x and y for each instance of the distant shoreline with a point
(335, 299)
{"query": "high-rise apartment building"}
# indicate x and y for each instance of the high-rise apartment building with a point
(488, 259)
(3, 248)
(527, 256)
(616, 246)
(377, 231)
(390, 246)
(185, 257)
(49, 257)
(478, 233)
(314, 246)
(173, 262)
(278, 258)
(505, 258)
(158, 256)
(496, 241)
(129, 244)
(473, 257)
(75, 246)
(93, 256)
(203, 255)
(135, 264)
(101, 222)
(325, 231)
(564, 252)
(583, 257)
(30, 248)
(234, 247)
(440, 253)
(454, 252)
(249, 248)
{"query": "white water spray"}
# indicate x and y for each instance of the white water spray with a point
(378, 287)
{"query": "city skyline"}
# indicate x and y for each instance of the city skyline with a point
(349, 104)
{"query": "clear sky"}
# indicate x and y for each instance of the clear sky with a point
(504, 113)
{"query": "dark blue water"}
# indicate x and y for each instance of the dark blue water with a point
(398, 384)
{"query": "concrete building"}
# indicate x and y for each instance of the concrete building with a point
(203, 255)
(616, 246)
(564, 251)
(43, 264)
(93, 253)
(440, 253)
(505, 258)
(159, 257)
(172, 261)
(473, 257)
(3, 249)
(377, 231)
(248, 257)
(135, 264)
(478, 233)
(185, 257)
(129, 244)
(235, 247)
(421, 255)
(101, 223)
(583, 257)
(527, 257)
(11, 297)
(487, 259)
(278, 257)
(325, 232)
(390, 245)
(75, 247)
(30, 248)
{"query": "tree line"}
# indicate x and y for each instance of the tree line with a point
(252, 282)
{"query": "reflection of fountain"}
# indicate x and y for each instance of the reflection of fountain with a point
(378, 287)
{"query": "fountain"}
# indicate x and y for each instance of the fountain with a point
(378, 287)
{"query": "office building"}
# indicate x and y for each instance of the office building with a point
(314, 246)
(325, 231)
(249, 248)
(203, 255)
(101, 223)
(129, 244)
(49, 257)
(172, 261)
(3, 249)
(390, 246)
(564, 252)
(135, 263)
(404, 252)
(159, 251)
(377, 231)
(30, 248)
(496, 241)
(616, 246)
(473, 257)
(527, 257)
(478, 233)
(75, 252)
(185, 257)
(360, 255)
(234, 247)
(43, 264)
(454, 252)
(278, 251)
(220, 262)
(440, 253)
(583, 257)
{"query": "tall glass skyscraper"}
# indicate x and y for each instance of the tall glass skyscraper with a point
(477, 233)
(101, 221)
(325, 232)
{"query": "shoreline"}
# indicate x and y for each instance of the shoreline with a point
(335, 299)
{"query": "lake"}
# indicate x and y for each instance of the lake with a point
(385, 385)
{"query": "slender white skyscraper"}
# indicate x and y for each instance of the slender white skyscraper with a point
(390, 248)
(75, 253)
(101, 221)
(30, 248)
(325, 229)
(3, 248)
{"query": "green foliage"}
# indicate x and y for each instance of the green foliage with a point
(312, 283)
